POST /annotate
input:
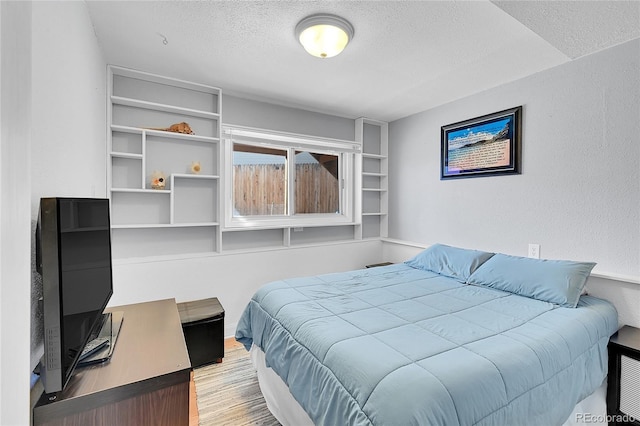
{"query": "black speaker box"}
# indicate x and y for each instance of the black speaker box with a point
(203, 328)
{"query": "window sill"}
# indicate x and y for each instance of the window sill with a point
(287, 222)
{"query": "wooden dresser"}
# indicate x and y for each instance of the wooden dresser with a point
(146, 382)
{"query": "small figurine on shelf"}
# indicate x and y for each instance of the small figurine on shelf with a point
(175, 128)
(195, 167)
(158, 180)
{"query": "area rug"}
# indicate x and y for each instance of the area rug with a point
(228, 393)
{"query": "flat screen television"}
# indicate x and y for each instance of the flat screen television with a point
(73, 257)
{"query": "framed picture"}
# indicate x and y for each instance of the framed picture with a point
(482, 146)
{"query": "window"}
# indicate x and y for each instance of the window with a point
(259, 181)
(279, 179)
(317, 183)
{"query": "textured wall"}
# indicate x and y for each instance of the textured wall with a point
(15, 147)
(252, 113)
(579, 192)
(69, 156)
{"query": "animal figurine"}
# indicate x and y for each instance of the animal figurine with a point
(176, 128)
(158, 180)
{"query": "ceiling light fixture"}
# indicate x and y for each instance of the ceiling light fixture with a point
(324, 35)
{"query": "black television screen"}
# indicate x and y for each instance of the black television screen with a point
(73, 256)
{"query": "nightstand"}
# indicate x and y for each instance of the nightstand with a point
(623, 383)
(375, 265)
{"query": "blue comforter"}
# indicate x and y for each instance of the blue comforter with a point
(400, 346)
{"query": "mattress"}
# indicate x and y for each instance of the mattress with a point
(398, 345)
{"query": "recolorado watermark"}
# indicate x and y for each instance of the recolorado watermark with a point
(601, 418)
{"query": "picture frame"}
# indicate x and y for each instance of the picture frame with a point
(483, 146)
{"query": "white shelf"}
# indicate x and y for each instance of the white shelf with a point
(162, 133)
(142, 190)
(378, 156)
(136, 103)
(165, 225)
(373, 201)
(126, 155)
(193, 176)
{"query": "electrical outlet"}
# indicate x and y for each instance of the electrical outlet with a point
(534, 251)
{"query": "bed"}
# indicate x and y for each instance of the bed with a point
(450, 337)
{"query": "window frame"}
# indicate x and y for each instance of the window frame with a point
(346, 152)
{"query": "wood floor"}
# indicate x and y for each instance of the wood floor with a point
(193, 403)
(194, 419)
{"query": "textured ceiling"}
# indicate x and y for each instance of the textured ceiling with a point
(405, 57)
(578, 28)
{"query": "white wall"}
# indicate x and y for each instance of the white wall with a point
(69, 108)
(233, 278)
(245, 112)
(15, 146)
(579, 192)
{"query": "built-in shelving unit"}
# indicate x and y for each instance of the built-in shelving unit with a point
(186, 216)
(373, 205)
(182, 217)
